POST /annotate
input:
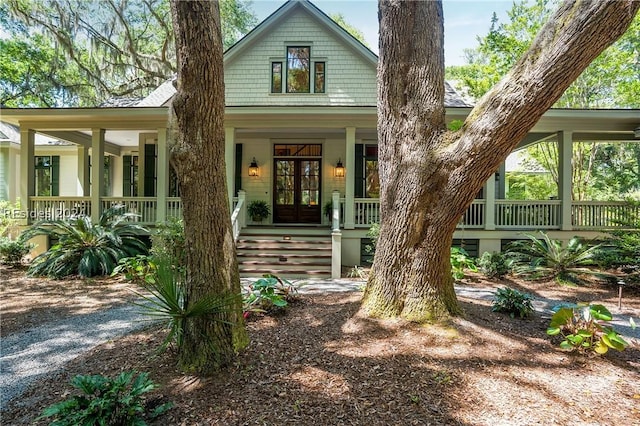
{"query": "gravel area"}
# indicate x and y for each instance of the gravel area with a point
(30, 355)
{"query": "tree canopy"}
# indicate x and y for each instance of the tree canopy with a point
(84, 53)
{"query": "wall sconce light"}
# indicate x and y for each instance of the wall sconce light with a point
(253, 168)
(338, 171)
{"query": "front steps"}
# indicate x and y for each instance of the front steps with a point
(301, 252)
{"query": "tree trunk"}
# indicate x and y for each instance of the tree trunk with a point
(198, 153)
(428, 176)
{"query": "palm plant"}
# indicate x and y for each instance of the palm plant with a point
(85, 248)
(547, 258)
(168, 302)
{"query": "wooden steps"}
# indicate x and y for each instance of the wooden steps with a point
(286, 252)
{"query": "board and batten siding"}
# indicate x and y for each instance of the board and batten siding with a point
(349, 78)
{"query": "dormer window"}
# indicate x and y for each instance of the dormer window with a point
(298, 71)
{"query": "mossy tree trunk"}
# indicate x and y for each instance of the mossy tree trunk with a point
(197, 145)
(429, 176)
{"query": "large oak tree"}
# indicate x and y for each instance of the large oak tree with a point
(197, 148)
(429, 176)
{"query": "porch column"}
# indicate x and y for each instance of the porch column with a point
(490, 203)
(162, 188)
(350, 178)
(142, 139)
(83, 171)
(27, 168)
(565, 154)
(229, 145)
(97, 172)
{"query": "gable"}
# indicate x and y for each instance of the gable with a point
(350, 78)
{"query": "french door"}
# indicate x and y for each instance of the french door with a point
(296, 190)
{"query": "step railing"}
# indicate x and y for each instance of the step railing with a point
(239, 214)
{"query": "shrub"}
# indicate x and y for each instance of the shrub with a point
(105, 401)
(85, 248)
(585, 328)
(268, 294)
(168, 242)
(512, 302)
(493, 264)
(139, 269)
(547, 258)
(13, 251)
(8, 219)
(460, 261)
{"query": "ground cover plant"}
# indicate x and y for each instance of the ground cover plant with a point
(107, 401)
(546, 258)
(321, 363)
(585, 327)
(512, 302)
(84, 248)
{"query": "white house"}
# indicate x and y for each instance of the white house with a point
(300, 127)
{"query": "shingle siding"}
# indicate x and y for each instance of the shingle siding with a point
(349, 78)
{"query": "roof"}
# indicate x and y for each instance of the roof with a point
(162, 95)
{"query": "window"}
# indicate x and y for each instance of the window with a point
(276, 77)
(318, 86)
(367, 178)
(294, 72)
(47, 173)
(298, 59)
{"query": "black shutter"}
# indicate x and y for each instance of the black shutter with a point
(126, 178)
(149, 170)
(55, 175)
(359, 172)
(238, 169)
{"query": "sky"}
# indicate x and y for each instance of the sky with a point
(464, 20)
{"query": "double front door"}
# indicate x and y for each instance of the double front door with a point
(296, 190)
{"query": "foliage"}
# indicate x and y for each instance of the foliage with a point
(585, 328)
(85, 248)
(373, 234)
(168, 242)
(258, 210)
(461, 261)
(327, 209)
(546, 258)
(622, 247)
(531, 186)
(493, 264)
(81, 53)
(104, 401)
(355, 32)
(169, 304)
(512, 302)
(140, 269)
(13, 251)
(267, 294)
(8, 218)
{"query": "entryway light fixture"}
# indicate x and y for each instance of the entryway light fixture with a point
(253, 168)
(338, 171)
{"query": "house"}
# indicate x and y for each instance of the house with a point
(300, 132)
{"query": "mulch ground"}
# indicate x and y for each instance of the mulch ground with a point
(322, 363)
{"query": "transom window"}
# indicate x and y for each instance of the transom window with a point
(297, 72)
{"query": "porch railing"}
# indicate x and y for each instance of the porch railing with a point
(604, 214)
(514, 214)
(145, 208)
(509, 214)
(56, 208)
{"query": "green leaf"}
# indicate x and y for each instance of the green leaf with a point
(566, 345)
(600, 312)
(601, 348)
(552, 331)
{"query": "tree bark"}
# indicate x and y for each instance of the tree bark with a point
(428, 176)
(197, 146)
